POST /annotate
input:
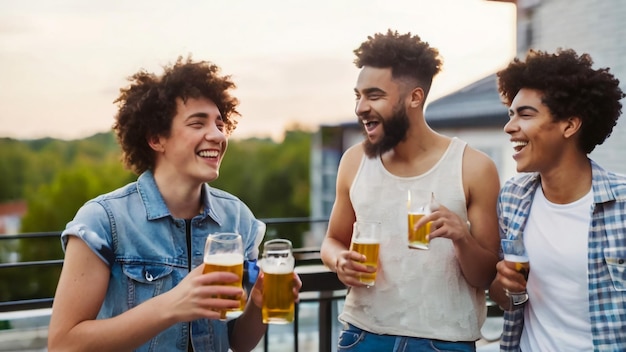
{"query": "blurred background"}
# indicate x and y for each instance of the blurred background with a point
(62, 64)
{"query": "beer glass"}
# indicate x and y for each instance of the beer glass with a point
(515, 252)
(277, 264)
(224, 252)
(366, 241)
(419, 203)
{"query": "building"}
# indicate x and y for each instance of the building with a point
(11, 214)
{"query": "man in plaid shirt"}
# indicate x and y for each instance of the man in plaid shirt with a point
(569, 212)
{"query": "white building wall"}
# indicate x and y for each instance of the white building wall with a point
(596, 27)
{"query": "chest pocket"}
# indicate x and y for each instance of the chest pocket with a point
(616, 263)
(147, 280)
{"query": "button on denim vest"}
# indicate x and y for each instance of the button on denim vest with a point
(133, 232)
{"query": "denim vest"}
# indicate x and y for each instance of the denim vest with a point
(133, 232)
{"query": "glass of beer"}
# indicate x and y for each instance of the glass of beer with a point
(515, 253)
(366, 241)
(419, 205)
(277, 264)
(224, 252)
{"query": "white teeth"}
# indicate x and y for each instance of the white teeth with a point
(370, 124)
(208, 153)
(518, 144)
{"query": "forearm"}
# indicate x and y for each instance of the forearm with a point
(124, 332)
(330, 251)
(248, 329)
(478, 264)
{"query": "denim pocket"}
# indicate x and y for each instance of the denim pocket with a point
(349, 338)
(616, 263)
(146, 280)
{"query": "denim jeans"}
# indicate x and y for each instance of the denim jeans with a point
(353, 339)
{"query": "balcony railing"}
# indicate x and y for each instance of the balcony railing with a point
(319, 286)
(321, 295)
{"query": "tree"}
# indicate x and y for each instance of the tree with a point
(272, 179)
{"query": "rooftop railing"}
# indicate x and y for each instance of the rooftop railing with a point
(320, 288)
(319, 285)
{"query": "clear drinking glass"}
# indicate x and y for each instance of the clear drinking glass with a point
(515, 252)
(224, 252)
(366, 241)
(277, 264)
(419, 203)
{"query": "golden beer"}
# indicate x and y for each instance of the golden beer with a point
(278, 299)
(227, 262)
(369, 248)
(417, 237)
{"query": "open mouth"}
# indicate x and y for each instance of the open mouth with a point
(519, 145)
(209, 154)
(370, 125)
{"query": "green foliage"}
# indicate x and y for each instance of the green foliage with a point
(272, 179)
(16, 169)
(57, 177)
(52, 205)
(27, 165)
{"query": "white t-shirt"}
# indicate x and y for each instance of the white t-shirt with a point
(556, 317)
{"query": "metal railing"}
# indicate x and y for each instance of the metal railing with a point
(318, 283)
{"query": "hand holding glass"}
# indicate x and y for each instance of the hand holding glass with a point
(515, 253)
(420, 203)
(224, 252)
(277, 265)
(366, 241)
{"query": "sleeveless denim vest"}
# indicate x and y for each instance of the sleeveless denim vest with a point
(133, 232)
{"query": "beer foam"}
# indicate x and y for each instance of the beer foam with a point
(515, 258)
(225, 259)
(277, 268)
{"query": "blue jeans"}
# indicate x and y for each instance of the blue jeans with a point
(353, 339)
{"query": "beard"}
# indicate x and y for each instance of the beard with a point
(394, 132)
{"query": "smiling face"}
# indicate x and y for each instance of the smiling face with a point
(196, 144)
(380, 108)
(537, 138)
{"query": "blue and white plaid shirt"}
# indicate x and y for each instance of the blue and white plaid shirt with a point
(606, 255)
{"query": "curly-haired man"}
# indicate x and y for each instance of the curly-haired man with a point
(422, 300)
(569, 213)
(132, 277)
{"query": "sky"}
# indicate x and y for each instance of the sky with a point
(63, 62)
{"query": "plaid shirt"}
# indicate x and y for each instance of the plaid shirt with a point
(606, 255)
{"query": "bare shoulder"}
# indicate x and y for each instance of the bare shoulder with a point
(478, 167)
(352, 156)
(349, 163)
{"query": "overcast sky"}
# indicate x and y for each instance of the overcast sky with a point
(62, 62)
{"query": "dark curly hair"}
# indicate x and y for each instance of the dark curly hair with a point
(570, 87)
(148, 105)
(407, 56)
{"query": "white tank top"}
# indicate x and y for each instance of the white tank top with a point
(418, 293)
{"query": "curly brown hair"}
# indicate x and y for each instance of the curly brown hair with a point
(148, 105)
(408, 57)
(570, 87)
